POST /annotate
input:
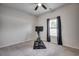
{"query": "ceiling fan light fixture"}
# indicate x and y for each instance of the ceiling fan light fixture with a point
(39, 4)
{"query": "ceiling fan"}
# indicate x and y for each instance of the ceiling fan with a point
(40, 5)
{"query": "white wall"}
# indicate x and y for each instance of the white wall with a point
(70, 24)
(15, 26)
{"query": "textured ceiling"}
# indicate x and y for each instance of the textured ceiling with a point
(29, 7)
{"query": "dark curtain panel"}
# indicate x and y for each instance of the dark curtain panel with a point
(48, 32)
(59, 34)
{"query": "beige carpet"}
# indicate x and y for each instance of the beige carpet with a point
(26, 49)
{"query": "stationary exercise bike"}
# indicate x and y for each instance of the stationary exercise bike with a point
(38, 44)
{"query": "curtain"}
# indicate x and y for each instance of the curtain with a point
(59, 31)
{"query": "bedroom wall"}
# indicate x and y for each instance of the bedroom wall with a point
(15, 26)
(70, 27)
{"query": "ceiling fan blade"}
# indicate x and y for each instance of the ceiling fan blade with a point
(44, 6)
(36, 7)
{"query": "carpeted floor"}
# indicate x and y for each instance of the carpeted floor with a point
(26, 49)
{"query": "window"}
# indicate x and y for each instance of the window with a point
(53, 27)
